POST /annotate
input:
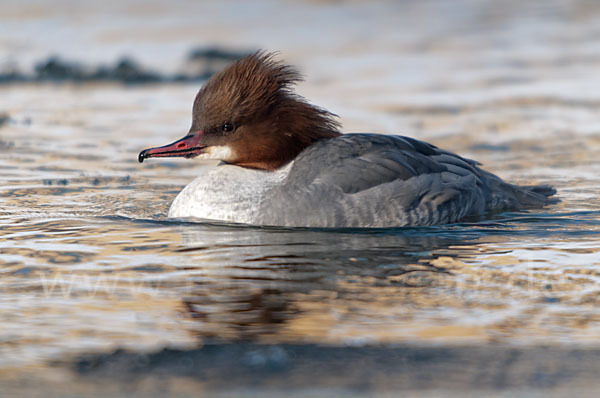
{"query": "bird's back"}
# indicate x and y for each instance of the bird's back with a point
(370, 180)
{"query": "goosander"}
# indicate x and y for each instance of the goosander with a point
(284, 162)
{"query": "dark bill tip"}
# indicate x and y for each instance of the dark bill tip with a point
(142, 156)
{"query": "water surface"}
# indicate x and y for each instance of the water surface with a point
(89, 262)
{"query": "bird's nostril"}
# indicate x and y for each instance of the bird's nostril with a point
(181, 145)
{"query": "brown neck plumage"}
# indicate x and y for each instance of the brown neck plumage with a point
(292, 126)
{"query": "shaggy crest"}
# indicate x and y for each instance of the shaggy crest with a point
(256, 95)
(254, 82)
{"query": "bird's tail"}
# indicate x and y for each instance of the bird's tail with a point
(535, 195)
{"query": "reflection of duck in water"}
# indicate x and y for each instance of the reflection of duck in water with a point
(238, 313)
(287, 164)
(257, 282)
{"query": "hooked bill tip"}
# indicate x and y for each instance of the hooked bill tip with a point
(142, 156)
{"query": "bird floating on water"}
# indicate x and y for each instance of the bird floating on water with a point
(285, 162)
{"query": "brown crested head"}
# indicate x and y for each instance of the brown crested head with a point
(249, 115)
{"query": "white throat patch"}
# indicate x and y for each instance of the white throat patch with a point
(219, 152)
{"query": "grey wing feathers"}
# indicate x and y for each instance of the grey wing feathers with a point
(370, 180)
(357, 162)
(376, 168)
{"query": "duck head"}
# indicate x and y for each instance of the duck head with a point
(249, 115)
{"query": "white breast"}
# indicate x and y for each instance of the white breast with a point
(226, 193)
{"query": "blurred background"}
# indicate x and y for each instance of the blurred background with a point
(97, 284)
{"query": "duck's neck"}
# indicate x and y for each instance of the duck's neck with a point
(291, 128)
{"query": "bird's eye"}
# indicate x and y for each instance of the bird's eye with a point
(228, 127)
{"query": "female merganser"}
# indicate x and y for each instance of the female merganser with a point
(286, 163)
